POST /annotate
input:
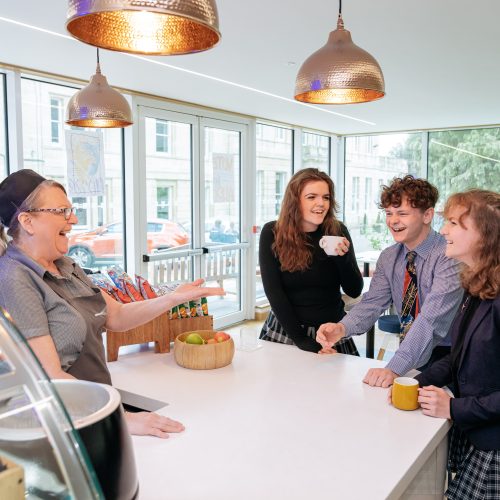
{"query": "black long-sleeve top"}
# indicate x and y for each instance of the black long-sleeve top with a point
(312, 297)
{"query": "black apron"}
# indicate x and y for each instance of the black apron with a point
(91, 362)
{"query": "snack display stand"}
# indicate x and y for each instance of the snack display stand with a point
(161, 330)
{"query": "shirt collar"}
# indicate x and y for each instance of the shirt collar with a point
(65, 265)
(424, 248)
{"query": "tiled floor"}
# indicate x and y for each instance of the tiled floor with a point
(359, 340)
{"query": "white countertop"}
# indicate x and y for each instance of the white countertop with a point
(277, 423)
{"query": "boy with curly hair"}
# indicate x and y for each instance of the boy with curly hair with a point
(415, 276)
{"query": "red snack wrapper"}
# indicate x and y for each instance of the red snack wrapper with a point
(130, 288)
(122, 296)
(145, 288)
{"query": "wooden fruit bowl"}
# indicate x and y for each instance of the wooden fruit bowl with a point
(203, 357)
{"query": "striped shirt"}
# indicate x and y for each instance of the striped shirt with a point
(439, 293)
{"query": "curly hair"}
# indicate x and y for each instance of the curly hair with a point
(483, 207)
(291, 245)
(419, 192)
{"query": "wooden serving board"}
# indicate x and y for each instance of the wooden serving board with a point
(161, 330)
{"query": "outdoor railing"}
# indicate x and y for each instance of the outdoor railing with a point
(176, 266)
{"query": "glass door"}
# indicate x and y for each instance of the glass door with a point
(191, 198)
(225, 245)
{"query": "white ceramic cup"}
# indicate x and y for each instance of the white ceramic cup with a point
(330, 243)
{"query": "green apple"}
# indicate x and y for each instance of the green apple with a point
(194, 338)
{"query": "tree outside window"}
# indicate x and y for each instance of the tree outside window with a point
(462, 159)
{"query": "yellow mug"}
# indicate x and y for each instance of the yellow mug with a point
(405, 393)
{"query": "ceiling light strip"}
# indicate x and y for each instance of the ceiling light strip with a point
(238, 85)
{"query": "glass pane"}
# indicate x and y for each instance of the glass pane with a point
(22, 437)
(274, 169)
(222, 217)
(462, 159)
(90, 244)
(3, 139)
(5, 365)
(370, 162)
(316, 151)
(168, 185)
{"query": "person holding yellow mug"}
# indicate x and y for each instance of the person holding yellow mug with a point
(472, 232)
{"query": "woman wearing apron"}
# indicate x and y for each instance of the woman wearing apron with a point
(57, 309)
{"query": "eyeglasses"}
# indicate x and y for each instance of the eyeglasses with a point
(67, 212)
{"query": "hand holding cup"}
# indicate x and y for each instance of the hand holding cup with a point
(334, 245)
(404, 393)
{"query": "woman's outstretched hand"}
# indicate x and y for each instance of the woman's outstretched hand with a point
(194, 290)
(151, 424)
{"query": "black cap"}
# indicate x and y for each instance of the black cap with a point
(14, 189)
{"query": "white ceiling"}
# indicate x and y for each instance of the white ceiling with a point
(440, 58)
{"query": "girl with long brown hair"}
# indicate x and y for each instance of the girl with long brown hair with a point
(472, 232)
(301, 281)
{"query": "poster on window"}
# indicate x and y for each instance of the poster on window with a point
(85, 153)
(223, 177)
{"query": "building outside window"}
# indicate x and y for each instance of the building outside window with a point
(274, 151)
(56, 127)
(80, 203)
(373, 161)
(162, 136)
(3, 130)
(164, 202)
(91, 243)
(368, 193)
(316, 151)
(281, 182)
(168, 180)
(355, 194)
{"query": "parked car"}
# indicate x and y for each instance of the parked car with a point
(105, 243)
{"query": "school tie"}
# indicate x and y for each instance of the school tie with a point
(410, 307)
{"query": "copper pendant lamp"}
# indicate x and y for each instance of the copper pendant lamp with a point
(98, 105)
(340, 72)
(154, 27)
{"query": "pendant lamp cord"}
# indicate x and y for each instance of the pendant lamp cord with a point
(98, 67)
(340, 21)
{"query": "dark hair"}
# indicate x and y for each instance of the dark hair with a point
(291, 245)
(419, 192)
(483, 207)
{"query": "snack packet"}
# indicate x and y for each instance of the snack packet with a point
(145, 288)
(129, 286)
(183, 310)
(174, 313)
(114, 274)
(192, 308)
(204, 306)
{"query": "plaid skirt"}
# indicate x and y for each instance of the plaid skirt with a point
(273, 332)
(477, 472)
